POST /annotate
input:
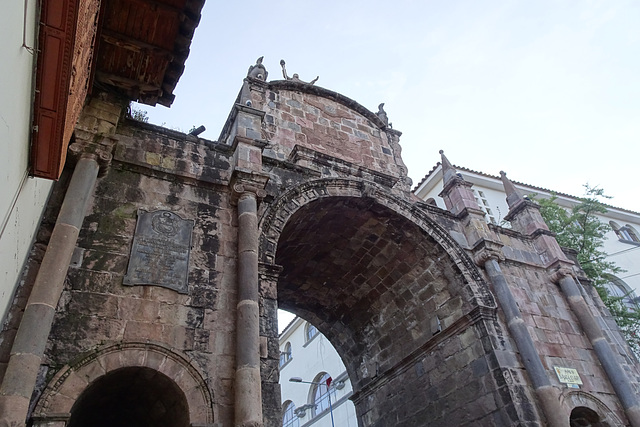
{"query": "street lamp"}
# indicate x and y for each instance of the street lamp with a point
(328, 383)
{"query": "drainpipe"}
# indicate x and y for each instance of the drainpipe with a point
(33, 332)
(614, 371)
(548, 395)
(248, 394)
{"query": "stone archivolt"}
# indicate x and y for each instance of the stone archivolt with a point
(68, 384)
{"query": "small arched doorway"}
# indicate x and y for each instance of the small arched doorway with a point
(582, 416)
(131, 397)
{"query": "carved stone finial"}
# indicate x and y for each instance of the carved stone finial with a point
(258, 71)
(295, 77)
(513, 195)
(382, 115)
(448, 172)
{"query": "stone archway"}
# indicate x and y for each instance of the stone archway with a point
(274, 219)
(588, 410)
(112, 375)
(131, 397)
(396, 296)
(584, 417)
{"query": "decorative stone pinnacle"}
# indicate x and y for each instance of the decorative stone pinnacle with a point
(513, 195)
(382, 115)
(448, 172)
(258, 71)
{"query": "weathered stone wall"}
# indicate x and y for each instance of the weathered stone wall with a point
(558, 335)
(461, 381)
(325, 122)
(326, 126)
(391, 282)
(97, 310)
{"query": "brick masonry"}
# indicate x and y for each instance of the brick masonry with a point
(341, 243)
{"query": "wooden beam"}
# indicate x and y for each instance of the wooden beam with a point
(145, 93)
(127, 42)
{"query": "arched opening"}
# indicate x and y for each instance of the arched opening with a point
(289, 418)
(305, 392)
(582, 416)
(618, 288)
(321, 394)
(387, 287)
(131, 397)
(285, 354)
(354, 268)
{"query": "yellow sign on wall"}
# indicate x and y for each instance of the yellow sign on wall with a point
(568, 375)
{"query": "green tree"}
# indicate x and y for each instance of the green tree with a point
(579, 228)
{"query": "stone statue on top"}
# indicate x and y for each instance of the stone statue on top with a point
(295, 77)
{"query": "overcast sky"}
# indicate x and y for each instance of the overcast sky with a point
(548, 91)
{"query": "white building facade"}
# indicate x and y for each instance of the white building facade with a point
(307, 355)
(622, 243)
(22, 198)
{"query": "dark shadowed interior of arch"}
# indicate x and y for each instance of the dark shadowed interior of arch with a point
(131, 397)
(582, 416)
(369, 279)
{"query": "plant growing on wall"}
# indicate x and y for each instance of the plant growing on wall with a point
(579, 228)
(137, 113)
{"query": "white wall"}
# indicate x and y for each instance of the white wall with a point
(318, 355)
(625, 255)
(22, 199)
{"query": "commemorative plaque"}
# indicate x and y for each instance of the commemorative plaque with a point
(569, 376)
(160, 251)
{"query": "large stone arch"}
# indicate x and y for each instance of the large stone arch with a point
(70, 382)
(421, 295)
(275, 217)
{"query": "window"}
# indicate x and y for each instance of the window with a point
(289, 418)
(285, 355)
(483, 204)
(618, 288)
(310, 332)
(632, 233)
(625, 233)
(322, 394)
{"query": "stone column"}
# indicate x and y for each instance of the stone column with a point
(33, 332)
(548, 395)
(248, 385)
(607, 357)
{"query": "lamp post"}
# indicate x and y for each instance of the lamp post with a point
(328, 383)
